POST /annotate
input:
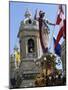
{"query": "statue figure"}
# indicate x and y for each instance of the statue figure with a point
(43, 31)
(17, 57)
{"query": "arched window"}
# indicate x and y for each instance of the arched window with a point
(31, 45)
(30, 21)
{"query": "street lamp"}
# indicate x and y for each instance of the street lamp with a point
(56, 76)
(44, 58)
(50, 77)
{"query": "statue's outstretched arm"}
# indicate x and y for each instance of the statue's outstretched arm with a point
(50, 23)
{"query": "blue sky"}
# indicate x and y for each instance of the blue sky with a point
(17, 11)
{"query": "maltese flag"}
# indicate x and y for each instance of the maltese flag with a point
(61, 21)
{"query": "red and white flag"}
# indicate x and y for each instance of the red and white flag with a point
(61, 21)
(60, 15)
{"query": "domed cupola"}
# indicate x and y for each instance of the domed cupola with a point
(29, 23)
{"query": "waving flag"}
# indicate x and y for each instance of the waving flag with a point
(61, 21)
(60, 15)
(58, 48)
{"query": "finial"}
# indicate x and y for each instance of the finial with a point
(35, 16)
(27, 13)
